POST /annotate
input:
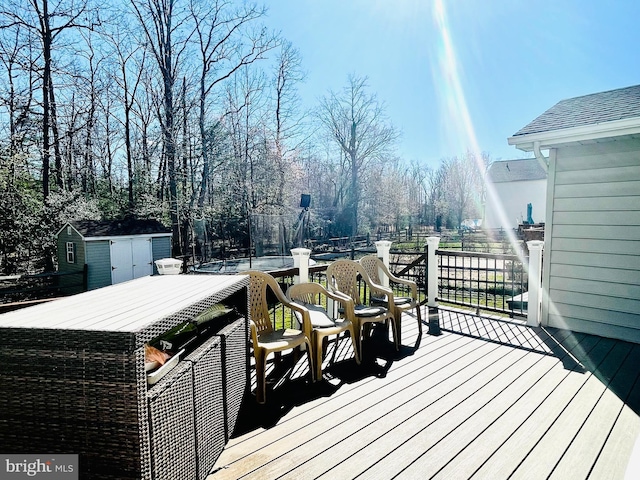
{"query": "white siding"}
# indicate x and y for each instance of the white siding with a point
(592, 256)
(509, 209)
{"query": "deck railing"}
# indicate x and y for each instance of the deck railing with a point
(19, 291)
(482, 281)
(478, 281)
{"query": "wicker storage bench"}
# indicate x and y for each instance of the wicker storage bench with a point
(72, 379)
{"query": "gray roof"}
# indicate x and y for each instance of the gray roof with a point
(516, 170)
(112, 228)
(591, 109)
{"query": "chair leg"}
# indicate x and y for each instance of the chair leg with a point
(319, 355)
(395, 326)
(397, 321)
(261, 360)
(357, 328)
(310, 359)
(352, 334)
(419, 315)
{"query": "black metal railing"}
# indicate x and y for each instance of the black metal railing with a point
(479, 281)
(482, 280)
(19, 291)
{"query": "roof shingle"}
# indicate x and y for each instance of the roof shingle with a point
(516, 170)
(592, 109)
(109, 228)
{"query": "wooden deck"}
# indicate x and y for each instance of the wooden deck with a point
(486, 399)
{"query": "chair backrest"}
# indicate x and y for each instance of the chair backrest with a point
(259, 283)
(309, 292)
(371, 264)
(342, 275)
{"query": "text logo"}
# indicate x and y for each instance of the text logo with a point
(45, 467)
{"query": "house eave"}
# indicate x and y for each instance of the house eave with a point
(68, 225)
(554, 138)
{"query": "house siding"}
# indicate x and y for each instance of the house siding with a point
(512, 199)
(160, 248)
(63, 265)
(98, 256)
(592, 256)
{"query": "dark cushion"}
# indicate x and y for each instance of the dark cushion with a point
(396, 300)
(365, 311)
(318, 315)
(402, 300)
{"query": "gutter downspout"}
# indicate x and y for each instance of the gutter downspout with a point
(543, 161)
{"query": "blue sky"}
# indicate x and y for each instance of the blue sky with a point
(463, 74)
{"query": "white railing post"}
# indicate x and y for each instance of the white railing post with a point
(383, 248)
(301, 262)
(432, 271)
(534, 300)
(432, 285)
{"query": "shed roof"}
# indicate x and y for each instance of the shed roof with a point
(516, 170)
(123, 227)
(588, 117)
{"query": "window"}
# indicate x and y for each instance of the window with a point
(71, 252)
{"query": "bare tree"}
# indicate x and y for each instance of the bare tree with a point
(46, 25)
(16, 94)
(163, 26)
(288, 73)
(464, 185)
(128, 75)
(225, 44)
(357, 123)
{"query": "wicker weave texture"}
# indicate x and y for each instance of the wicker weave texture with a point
(85, 392)
(171, 410)
(209, 404)
(235, 364)
(68, 392)
(187, 314)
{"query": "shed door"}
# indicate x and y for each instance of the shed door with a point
(142, 257)
(130, 258)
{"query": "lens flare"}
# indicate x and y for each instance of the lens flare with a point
(446, 75)
(457, 117)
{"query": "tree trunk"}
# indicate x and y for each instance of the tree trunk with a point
(46, 78)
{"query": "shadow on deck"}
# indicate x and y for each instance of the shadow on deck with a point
(488, 398)
(562, 344)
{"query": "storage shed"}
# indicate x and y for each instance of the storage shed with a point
(114, 251)
(591, 267)
(517, 183)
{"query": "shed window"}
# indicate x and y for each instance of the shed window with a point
(71, 252)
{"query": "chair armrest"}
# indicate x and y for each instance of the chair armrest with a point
(307, 328)
(409, 283)
(345, 300)
(375, 288)
(254, 333)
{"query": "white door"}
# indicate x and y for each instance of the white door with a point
(142, 257)
(121, 256)
(130, 258)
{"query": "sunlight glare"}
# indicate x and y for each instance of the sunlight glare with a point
(457, 118)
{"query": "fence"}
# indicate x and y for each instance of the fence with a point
(18, 291)
(482, 281)
(479, 281)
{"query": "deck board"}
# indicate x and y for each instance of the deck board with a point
(413, 419)
(488, 398)
(524, 436)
